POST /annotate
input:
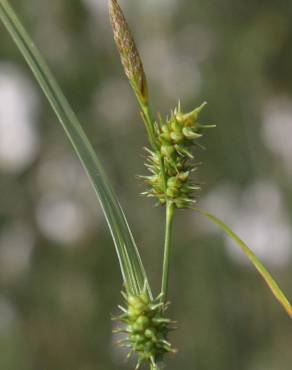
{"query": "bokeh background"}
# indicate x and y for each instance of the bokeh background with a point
(59, 276)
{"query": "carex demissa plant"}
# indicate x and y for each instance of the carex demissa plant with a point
(170, 164)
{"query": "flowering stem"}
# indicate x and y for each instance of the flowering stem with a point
(167, 248)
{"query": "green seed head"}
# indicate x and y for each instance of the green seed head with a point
(147, 329)
(176, 140)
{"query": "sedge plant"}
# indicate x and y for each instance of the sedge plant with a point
(170, 163)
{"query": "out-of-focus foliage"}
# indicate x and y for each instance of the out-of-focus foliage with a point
(59, 278)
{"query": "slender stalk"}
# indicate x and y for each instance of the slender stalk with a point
(167, 249)
(149, 123)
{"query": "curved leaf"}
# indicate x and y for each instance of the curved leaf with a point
(274, 287)
(130, 262)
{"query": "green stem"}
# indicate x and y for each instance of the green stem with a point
(149, 125)
(167, 248)
(152, 138)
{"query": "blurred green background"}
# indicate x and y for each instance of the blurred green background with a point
(59, 276)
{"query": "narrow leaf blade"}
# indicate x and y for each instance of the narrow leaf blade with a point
(131, 264)
(274, 287)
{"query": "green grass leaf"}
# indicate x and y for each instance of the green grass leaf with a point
(274, 287)
(130, 262)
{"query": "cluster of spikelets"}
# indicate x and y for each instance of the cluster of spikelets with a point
(145, 327)
(171, 164)
(171, 160)
(176, 139)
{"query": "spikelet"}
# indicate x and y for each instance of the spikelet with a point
(176, 137)
(146, 328)
(128, 51)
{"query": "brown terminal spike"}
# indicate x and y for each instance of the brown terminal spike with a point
(128, 51)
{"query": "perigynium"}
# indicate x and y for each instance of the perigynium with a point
(171, 164)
